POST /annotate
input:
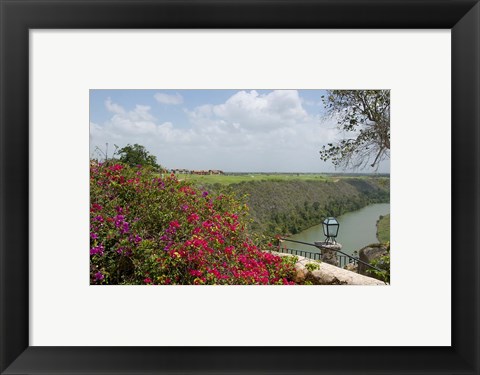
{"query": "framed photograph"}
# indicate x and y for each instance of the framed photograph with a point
(162, 159)
(229, 187)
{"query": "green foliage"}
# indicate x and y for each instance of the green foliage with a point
(151, 229)
(383, 229)
(383, 263)
(288, 207)
(228, 179)
(312, 266)
(137, 155)
(364, 115)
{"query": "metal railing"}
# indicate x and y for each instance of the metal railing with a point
(342, 258)
(302, 253)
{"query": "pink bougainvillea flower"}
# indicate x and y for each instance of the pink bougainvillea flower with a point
(95, 207)
(174, 224)
(193, 218)
(150, 230)
(97, 250)
(116, 167)
(195, 273)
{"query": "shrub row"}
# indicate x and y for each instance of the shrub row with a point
(147, 228)
(288, 207)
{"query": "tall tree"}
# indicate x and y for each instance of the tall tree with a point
(364, 118)
(137, 155)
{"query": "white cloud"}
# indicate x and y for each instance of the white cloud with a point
(255, 120)
(248, 132)
(124, 127)
(139, 120)
(168, 99)
(113, 107)
(252, 111)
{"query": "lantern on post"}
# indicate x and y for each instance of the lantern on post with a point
(330, 229)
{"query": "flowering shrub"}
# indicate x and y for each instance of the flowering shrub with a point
(146, 228)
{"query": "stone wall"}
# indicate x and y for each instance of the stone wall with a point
(327, 274)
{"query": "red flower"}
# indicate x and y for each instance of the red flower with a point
(174, 224)
(95, 207)
(196, 273)
(116, 167)
(192, 218)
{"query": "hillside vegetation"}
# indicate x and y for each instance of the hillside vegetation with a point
(146, 229)
(383, 229)
(290, 206)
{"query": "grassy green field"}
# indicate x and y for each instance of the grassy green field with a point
(383, 229)
(235, 179)
(238, 178)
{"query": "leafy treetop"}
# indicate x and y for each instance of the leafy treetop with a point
(364, 116)
(137, 155)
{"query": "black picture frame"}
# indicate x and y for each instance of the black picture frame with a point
(18, 16)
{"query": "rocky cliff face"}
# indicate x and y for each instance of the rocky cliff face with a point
(369, 253)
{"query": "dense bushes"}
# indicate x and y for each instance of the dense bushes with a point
(382, 264)
(383, 229)
(151, 229)
(288, 207)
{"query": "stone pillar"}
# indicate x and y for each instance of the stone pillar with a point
(329, 255)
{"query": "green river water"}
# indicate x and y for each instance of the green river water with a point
(357, 229)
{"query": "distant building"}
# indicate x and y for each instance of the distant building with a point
(198, 172)
(184, 171)
(215, 171)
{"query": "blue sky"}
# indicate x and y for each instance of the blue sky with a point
(232, 130)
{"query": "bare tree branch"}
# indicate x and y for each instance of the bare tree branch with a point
(366, 114)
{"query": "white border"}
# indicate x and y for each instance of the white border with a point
(414, 310)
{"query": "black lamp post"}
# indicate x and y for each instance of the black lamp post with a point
(330, 229)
